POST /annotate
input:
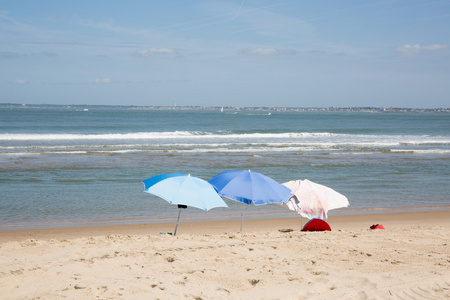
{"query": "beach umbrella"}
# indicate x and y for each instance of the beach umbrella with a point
(155, 179)
(250, 187)
(184, 190)
(313, 200)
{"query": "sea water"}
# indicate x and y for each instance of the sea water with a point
(67, 166)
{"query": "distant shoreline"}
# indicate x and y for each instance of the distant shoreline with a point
(236, 108)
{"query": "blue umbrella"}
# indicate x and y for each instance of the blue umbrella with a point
(250, 187)
(184, 190)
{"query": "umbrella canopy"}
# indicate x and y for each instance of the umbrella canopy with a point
(313, 200)
(250, 187)
(184, 190)
(155, 179)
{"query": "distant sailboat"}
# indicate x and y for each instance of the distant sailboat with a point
(221, 110)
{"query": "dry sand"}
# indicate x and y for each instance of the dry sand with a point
(410, 259)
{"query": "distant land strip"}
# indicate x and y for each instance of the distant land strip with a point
(234, 108)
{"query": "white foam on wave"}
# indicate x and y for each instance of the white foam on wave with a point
(243, 144)
(422, 151)
(157, 135)
(191, 150)
(186, 141)
(65, 152)
(291, 149)
(170, 145)
(288, 138)
(110, 136)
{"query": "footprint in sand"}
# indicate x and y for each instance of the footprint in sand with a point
(437, 288)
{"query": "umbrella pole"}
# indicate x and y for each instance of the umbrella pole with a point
(242, 216)
(176, 226)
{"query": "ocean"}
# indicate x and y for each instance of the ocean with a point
(64, 166)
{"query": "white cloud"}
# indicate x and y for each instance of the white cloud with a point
(102, 80)
(154, 52)
(411, 50)
(267, 52)
(435, 47)
(19, 81)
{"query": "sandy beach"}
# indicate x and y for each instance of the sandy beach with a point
(409, 259)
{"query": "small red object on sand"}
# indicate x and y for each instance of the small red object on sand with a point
(376, 226)
(316, 224)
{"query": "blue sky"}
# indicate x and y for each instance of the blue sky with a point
(226, 53)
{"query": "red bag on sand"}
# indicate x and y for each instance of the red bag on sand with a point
(376, 226)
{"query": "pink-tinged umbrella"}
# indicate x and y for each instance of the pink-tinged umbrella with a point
(313, 200)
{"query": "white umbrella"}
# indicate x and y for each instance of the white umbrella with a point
(313, 200)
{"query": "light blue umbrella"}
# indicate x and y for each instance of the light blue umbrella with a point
(155, 179)
(184, 190)
(250, 187)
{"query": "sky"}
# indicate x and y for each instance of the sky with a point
(286, 53)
